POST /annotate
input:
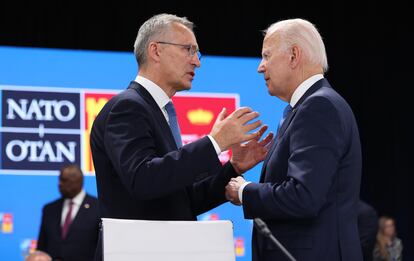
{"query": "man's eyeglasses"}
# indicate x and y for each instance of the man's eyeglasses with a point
(191, 49)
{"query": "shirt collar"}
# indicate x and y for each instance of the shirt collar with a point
(303, 87)
(78, 199)
(158, 94)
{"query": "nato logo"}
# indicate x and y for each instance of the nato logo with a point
(40, 130)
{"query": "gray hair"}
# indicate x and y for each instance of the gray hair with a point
(152, 28)
(304, 34)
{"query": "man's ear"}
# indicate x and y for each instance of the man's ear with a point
(153, 51)
(295, 56)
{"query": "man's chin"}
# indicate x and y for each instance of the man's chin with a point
(185, 88)
(269, 90)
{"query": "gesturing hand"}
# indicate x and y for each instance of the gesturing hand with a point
(235, 128)
(246, 156)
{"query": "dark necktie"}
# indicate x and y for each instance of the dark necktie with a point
(68, 220)
(175, 129)
(286, 111)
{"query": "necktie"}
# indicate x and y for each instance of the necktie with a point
(175, 129)
(68, 220)
(286, 112)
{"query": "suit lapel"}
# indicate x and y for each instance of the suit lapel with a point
(157, 112)
(288, 120)
(286, 124)
(59, 214)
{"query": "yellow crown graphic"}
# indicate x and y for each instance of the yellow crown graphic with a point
(200, 117)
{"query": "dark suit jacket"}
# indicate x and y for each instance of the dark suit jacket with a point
(368, 228)
(309, 186)
(140, 173)
(80, 242)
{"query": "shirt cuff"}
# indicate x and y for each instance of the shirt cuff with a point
(241, 191)
(216, 146)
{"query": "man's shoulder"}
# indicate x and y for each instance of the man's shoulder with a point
(91, 199)
(325, 92)
(126, 94)
(51, 206)
(326, 99)
(128, 97)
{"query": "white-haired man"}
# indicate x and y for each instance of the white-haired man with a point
(310, 180)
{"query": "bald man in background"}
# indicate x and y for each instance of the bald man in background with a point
(70, 225)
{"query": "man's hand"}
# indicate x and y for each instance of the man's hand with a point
(246, 156)
(234, 129)
(232, 190)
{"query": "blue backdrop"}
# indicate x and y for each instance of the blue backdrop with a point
(22, 195)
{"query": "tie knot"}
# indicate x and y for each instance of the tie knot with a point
(287, 110)
(169, 107)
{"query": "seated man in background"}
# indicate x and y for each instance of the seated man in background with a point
(38, 256)
(69, 229)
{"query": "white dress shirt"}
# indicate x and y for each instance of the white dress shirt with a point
(161, 98)
(297, 94)
(77, 202)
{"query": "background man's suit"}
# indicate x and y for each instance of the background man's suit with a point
(81, 239)
(309, 186)
(368, 228)
(139, 171)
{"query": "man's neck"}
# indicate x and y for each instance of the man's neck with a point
(302, 76)
(158, 81)
(77, 194)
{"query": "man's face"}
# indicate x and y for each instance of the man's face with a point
(178, 65)
(275, 66)
(70, 182)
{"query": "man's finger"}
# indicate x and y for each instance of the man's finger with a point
(252, 126)
(249, 116)
(222, 115)
(241, 111)
(266, 140)
(261, 131)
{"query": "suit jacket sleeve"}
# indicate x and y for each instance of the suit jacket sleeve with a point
(132, 147)
(209, 192)
(316, 139)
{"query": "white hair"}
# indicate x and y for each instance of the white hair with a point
(153, 28)
(303, 34)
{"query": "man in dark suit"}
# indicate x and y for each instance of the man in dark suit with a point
(70, 225)
(142, 169)
(368, 228)
(309, 185)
